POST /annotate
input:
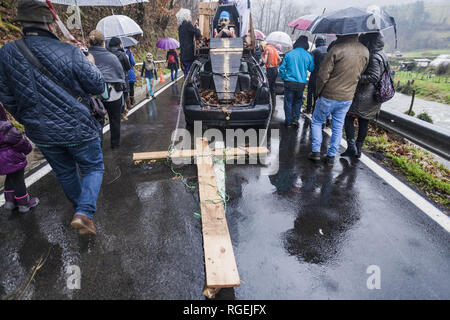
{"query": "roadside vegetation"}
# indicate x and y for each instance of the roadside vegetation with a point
(413, 163)
(428, 87)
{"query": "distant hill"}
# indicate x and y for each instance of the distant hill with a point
(421, 26)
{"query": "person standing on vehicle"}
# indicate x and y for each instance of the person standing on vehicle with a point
(186, 33)
(294, 71)
(173, 64)
(148, 72)
(364, 106)
(271, 60)
(131, 76)
(112, 72)
(336, 83)
(115, 47)
(318, 54)
(59, 124)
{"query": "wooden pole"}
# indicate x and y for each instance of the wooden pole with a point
(412, 102)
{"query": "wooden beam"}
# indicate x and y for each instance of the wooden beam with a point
(229, 154)
(220, 264)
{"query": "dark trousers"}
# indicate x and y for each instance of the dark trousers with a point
(114, 109)
(272, 74)
(131, 89)
(293, 100)
(311, 98)
(363, 127)
(16, 181)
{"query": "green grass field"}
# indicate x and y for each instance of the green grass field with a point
(425, 53)
(429, 89)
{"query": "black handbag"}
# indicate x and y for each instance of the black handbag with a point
(95, 106)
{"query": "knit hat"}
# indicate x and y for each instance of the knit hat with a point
(114, 42)
(34, 11)
(224, 14)
(302, 42)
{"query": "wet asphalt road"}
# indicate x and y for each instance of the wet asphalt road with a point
(306, 232)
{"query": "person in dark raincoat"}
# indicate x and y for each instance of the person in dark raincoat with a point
(318, 54)
(364, 106)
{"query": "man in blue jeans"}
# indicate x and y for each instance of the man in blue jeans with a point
(58, 123)
(294, 71)
(336, 83)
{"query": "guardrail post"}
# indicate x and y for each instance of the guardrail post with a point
(412, 102)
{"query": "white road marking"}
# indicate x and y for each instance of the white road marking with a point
(33, 178)
(420, 202)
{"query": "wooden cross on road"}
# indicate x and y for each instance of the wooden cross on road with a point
(220, 263)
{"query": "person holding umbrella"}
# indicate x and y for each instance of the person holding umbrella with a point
(364, 106)
(131, 75)
(336, 83)
(318, 54)
(271, 60)
(173, 64)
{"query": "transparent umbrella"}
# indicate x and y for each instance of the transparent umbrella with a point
(118, 26)
(279, 37)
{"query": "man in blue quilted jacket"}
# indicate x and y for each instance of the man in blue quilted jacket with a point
(60, 125)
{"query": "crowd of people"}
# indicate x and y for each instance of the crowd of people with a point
(343, 78)
(61, 101)
(54, 99)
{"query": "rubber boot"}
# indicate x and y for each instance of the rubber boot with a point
(10, 202)
(359, 146)
(351, 149)
(25, 203)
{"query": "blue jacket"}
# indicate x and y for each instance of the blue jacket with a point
(51, 116)
(295, 65)
(131, 73)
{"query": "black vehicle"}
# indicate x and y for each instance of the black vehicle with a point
(225, 86)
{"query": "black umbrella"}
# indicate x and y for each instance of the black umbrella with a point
(352, 21)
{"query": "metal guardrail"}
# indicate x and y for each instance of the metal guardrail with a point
(426, 135)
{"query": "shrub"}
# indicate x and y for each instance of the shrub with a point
(425, 117)
(413, 114)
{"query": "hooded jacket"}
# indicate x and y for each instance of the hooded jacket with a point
(13, 147)
(341, 69)
(364, 104)
(50, 114)
(318, 54)
(108, 64)
(124, 61)
(295, 66)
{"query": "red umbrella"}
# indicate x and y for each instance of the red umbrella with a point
(303, 22)
(259, 35)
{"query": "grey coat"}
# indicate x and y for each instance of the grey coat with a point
(364, 104)
(108, 64)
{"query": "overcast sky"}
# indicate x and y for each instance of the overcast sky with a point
(333, 4)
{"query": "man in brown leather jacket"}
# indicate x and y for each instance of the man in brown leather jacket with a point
(336, 84)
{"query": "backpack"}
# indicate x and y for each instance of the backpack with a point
(171, 58)
(384, 89)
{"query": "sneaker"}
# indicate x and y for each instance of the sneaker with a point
(83, 224)
(10, 202)
(26, 203)
(314, 156)
(296, 123)
(147, 95)
(329, 161)
(288, 125)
